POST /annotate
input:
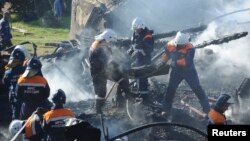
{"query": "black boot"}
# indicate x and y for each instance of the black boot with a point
(99, 105)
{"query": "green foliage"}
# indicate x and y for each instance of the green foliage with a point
(41, 34)
(39, 7)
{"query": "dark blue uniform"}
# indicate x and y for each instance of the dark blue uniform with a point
(10, 80)
(102, 69)
(143, 47)
(5, 33)
(183, 69)
(98, 58)
(58, 8)
(34, 92)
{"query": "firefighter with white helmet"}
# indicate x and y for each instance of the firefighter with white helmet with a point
(107, 35)
(143, 45)
(180, 52)
(102, 67)
(32, 127)
(138, 23)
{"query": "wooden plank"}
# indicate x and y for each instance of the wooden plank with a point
(25, 32)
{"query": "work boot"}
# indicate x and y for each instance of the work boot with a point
(120, 100)
(166, 110)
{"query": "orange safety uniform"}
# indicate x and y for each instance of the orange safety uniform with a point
(33, 91)
(183, 68)
(54, 123)
(216, 117)
(33, 129)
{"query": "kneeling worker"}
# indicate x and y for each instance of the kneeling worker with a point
(216, 114)
(32, 127)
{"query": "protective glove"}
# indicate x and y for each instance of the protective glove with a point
(130, 50)
(138, 51)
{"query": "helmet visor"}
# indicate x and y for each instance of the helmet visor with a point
(30, 72)
(12, 63)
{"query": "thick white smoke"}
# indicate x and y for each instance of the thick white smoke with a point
(67, 75)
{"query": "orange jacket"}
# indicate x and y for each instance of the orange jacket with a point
(216, 117)
(33, 89)
(54, 119)
(178, 56)
(33, 127)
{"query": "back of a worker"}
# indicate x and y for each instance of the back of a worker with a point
(54, 120)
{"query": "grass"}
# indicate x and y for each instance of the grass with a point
(41, 34)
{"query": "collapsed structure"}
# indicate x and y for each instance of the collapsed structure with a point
(89, 18)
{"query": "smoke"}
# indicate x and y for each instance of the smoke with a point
(228, 60)
(221, 67)
(68, 74)
(227, 65)
(165, 15)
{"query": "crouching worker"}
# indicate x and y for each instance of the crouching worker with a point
(80, 130)
(216, 114)
(31, 128)
(53, 120)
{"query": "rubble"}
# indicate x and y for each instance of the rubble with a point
(88, 18)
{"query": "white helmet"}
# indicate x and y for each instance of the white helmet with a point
(137, 23)
(15, 126)
(24, 50)
(181, 38)
(108, 35)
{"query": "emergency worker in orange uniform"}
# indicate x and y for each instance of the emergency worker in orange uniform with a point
(54, 120)
(33, 89)
(180, 53)
(216, 114)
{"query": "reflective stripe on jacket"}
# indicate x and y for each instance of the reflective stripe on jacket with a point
(54, 119)
(33, 89)
(33, 126)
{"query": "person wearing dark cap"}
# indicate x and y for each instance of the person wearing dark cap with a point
(54, 120)
(5, 31)
(216, 114)
(14, 69)
(33, 89)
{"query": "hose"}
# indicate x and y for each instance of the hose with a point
(158, 124)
